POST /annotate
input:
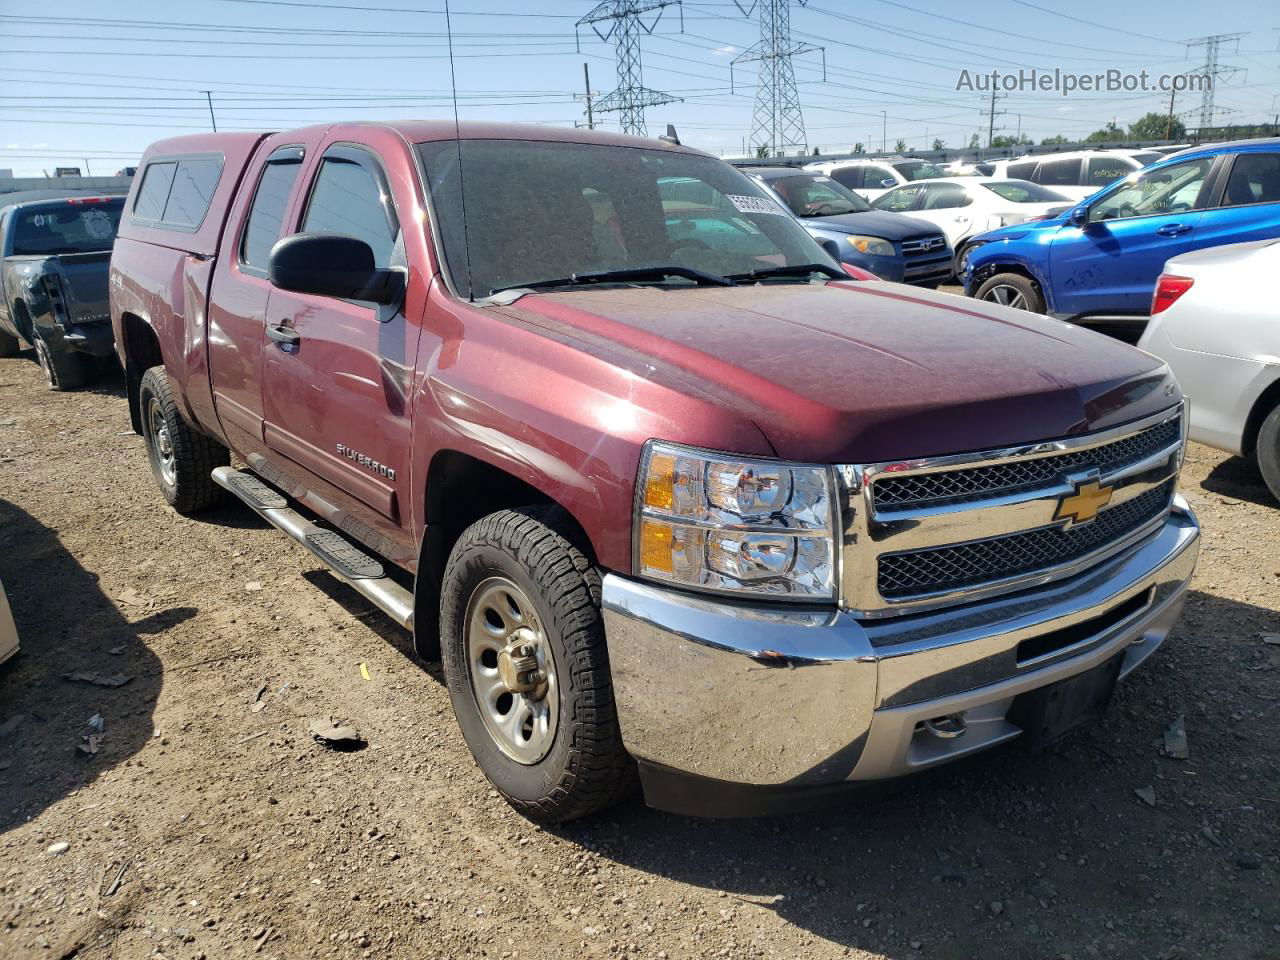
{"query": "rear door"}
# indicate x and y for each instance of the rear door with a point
(950, 207)
(240, 290)
(337, 404)
(1109, 266)
(1246, 205)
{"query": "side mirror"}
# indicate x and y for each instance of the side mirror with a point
(331, 265)
(1079, 216)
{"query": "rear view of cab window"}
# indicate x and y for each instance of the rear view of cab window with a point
(176, 193)
(193, 187)
(154, 191)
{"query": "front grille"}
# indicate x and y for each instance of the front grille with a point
(918, 245)
(951, 486)
(985, 561)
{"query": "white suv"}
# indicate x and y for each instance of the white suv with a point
(870, 178)
(1078, 175)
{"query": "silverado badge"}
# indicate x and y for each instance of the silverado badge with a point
(1083, 505)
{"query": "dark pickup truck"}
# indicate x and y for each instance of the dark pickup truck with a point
(53, 281)
(669, 498)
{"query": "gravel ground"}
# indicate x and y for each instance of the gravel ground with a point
(209, 824)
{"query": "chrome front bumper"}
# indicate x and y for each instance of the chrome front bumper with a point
(733, 695)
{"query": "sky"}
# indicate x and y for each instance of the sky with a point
(90, 84)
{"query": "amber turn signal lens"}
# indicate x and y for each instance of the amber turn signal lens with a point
(656, 541)
(659, 485)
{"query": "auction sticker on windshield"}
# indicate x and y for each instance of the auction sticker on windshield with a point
(754, 204)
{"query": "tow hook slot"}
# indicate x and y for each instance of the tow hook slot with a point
(950, 727)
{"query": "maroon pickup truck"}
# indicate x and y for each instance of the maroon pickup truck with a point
(672, 497)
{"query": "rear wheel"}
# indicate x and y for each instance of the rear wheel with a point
(1012, 290)
(523, 648)
(182, 459)
(1268, 451)
(63, 369)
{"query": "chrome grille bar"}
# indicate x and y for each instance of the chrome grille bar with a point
(956, 528)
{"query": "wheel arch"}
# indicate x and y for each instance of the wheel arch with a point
(460, 489)
(1267, 401)
(141, 352)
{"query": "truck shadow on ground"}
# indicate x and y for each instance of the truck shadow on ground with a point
(1240, 479)
(66, 624)
(1037, 852)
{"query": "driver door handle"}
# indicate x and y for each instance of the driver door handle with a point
(1173, 229)
(282, 334)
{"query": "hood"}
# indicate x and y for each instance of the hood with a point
(876, 223)
(866, 371)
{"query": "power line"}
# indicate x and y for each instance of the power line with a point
(625, 22)
(1093, 23)
(777, 121)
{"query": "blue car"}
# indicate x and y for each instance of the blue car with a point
(893, 246)
(1098, 263)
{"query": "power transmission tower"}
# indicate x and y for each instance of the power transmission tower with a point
(1213, 70)
(777, 122)
(623, 22)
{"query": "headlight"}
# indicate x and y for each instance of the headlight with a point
(872, 246)
(735, 524)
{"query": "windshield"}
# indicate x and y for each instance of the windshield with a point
(1024, 191)
(812, 195)
(918, 170)
(539, 211)
(71, 226)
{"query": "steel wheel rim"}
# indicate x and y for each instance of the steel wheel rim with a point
(521, 725)
(1006, 296)
(161, 444)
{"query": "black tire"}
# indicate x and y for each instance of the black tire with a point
(184, 473)
(585, 768)
(962, 259)
(999, 285)
(1268, 451)
(63, 369)
(9, 345)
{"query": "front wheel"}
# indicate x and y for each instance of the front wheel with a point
(9, 345)
(523, 649)
(182, 459)
(1012, 290)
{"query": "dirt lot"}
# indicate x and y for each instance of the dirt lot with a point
(209, 824)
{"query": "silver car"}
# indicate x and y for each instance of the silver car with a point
(1213, 320)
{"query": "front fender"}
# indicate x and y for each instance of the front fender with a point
(999, 256)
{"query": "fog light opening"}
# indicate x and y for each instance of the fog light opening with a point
(949, 727)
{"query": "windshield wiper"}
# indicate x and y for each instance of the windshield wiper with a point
(634, 274)
(798, 270)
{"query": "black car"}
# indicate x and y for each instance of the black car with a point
(53, 277)
(891, 245)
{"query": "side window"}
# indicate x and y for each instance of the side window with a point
(347, 198)
(879, 178)
(1059, 173)
(193, 186)
(1101, 171)
(154, 192)
(1022, 170)
(898, 201)
(1255, 178)
(1172, 189)
(945, 196)
(266, 215)
(850, 177)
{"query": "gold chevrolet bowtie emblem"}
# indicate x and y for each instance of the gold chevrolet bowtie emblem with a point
(1084, 504)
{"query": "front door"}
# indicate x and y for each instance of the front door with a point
(338, 373)
(1109, 265)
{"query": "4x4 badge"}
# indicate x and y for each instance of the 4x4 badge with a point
(1083, 505)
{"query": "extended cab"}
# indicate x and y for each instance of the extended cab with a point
(53, 282)
(685, 503)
